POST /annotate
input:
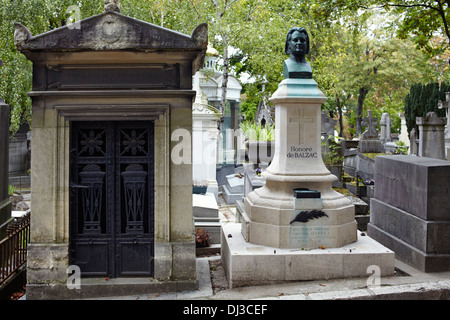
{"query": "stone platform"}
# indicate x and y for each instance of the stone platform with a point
(249, 264)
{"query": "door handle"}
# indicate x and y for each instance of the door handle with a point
(78, 186)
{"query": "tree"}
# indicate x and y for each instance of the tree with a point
(423, 98)
(422, 18)
(16, 75)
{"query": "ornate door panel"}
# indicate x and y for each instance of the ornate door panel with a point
(112, 198)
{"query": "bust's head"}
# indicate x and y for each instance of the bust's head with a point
(297, 43)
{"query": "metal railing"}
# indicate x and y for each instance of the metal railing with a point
(13, 249)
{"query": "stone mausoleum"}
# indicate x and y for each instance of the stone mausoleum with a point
(109, 93)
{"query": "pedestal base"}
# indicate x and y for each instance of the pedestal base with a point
(311, 235)
(249, 264)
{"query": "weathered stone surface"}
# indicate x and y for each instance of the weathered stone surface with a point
(431, 237)
(417, 185)
(111, 31)
(409, 213)
(431, 136)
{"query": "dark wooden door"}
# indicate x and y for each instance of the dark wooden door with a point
(112, 198)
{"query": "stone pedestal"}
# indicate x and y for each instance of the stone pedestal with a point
(270, 210)
(409, 213)
(296, 227)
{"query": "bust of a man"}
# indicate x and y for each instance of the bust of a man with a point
(297, 47)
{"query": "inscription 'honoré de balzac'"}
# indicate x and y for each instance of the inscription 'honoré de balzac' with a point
(297, 152)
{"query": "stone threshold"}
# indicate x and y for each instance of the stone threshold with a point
(108, 287)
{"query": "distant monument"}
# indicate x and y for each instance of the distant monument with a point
(431, 136)
(297, 207)
(369, 142)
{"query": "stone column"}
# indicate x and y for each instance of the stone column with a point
(431, 136)
(413, 150)
(404, 131)
(385, 123)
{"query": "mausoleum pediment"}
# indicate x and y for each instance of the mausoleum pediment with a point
(111, 31)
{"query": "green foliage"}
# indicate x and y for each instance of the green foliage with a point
(253, 95)
(332, 155)
(401, 148)
(347, 52)
(423, 98)
(255, 132)
(11, 189)
(38, 16)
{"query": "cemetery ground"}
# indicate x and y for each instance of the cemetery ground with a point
(408, 283)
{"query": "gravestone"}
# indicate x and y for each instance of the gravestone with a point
(409, 213)
(111, 170)
(253, 180)
(233, 189)
(385, 124)
(206, 215)
(297, 207)
(369, 142)
(446, 105)
(431, 136)
(5, 203)
(414, 146)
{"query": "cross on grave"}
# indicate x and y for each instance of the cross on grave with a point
(303, 122)
(371, 123)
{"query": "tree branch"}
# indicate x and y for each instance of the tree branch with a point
(442, 13)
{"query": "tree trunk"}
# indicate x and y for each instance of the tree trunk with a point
(359, 110)
(341, 121)
(223, 99)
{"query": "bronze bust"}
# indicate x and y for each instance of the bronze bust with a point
(297, 47)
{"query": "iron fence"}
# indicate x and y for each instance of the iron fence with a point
(13, 249)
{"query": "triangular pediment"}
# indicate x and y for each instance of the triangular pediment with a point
(111, 31)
